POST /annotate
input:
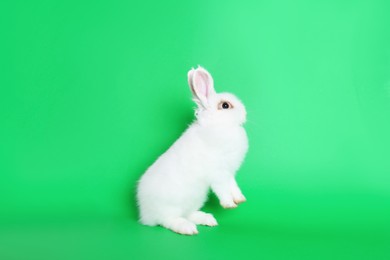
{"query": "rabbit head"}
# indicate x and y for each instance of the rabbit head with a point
(214, 108)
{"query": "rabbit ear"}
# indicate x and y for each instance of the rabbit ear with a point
(201, 85)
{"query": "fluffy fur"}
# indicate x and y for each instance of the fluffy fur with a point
(207, 155)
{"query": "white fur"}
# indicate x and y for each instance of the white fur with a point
(207, 155)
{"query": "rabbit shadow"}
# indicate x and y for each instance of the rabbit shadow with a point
(132, 202)
(212, 205)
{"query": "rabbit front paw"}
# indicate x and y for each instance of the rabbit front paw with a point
(239, 199)
(228, 204)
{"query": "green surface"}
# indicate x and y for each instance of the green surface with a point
(91, 92)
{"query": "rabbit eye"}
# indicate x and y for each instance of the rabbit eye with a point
(224, 105)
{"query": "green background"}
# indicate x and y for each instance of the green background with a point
(91, 92)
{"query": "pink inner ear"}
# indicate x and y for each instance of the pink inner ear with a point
(190, 76)
(202, 84)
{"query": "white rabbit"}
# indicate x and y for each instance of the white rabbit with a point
(207, 155)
